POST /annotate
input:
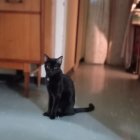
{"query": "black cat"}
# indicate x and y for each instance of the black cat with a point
(61, 91)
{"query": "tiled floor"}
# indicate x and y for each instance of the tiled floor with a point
(115, 94)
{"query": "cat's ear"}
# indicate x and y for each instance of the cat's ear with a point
(46, 57)
(59, 60)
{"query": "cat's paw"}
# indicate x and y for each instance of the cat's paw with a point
(52, 117)
(60, 115)
(46, 114)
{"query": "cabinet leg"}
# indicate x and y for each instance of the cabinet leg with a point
(26, 79)
(26, 84)
(39, 77)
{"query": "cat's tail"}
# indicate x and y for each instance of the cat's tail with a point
(90, 108)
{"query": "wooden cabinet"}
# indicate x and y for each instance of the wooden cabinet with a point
(21, 35)
(20, 5)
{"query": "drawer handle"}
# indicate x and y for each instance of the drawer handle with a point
(14, 1)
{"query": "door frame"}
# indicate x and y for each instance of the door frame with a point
(81, 31)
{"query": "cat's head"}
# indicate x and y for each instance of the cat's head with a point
(53, 65)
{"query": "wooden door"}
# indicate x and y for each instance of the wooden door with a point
(81, 33)
(71, 33)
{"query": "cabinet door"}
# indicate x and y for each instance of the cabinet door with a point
(20, 37)
(24, 5)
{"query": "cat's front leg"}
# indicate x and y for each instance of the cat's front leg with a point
(50, 104)
(52, 114)
(55, 107)
(48, 113)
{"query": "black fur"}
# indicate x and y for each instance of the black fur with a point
(61, 91)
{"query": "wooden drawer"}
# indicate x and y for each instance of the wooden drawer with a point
(20, 37)
(24, 5)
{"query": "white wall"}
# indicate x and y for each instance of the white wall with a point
(60, 27)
